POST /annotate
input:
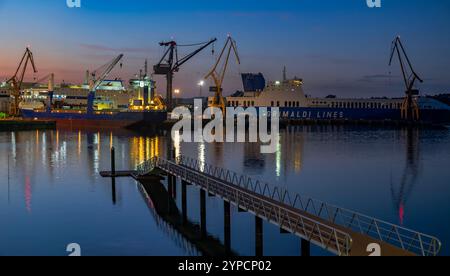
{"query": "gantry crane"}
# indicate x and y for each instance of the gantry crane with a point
(169, 63)
(410, 108)
(95, 82)
(218, 77)
(16, 81)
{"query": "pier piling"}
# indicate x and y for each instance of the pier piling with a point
(113, 162)
(174, 187)
(113, 175)
(170, 185)
(227, 225)
(259, 237)
(203, 213)
(184, 201)
(305, 248)
(113, 188)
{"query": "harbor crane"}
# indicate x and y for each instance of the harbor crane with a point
(410, 108)
(50, 78)
(218, 77)
(95, 82)
(16, 81)
(170, 63)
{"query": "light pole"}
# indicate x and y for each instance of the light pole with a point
(200, 85)
(176, 92)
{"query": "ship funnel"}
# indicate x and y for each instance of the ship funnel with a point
(51, 82)
(86, 78)
(51, 88)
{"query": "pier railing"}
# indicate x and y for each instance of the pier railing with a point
(406, 239)
(323, 235)
(147, 166)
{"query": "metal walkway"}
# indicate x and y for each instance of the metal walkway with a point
(337, 230)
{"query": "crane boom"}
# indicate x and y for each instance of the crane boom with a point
(170, 63)
(95, 83)
(109, 67)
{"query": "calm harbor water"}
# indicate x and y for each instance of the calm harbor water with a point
(51, 193)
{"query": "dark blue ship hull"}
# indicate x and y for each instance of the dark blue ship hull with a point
(436, 116)
(98, 119)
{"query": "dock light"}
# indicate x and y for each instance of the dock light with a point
(177, 91)
(201, 83)
(277, 83)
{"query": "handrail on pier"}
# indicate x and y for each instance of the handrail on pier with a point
(215, 178)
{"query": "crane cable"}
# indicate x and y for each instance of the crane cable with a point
(192, 45)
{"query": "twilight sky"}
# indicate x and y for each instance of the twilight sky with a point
(337, 46)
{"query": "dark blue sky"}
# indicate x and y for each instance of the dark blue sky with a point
(337, 46)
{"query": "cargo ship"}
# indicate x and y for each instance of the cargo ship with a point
(110, 106)
(98, 119)
(288, 95)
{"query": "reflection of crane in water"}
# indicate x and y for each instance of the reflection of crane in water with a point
(409, 178)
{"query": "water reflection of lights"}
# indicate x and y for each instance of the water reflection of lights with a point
(98, 142)
(177, 143)
(57, 139)
(60, 155)
(201, 155)
(79, 142)
(37, 137)
(44, 148)
(278, 156)
(143, 149)
(28, 194)
(111, 140)
(13, 145)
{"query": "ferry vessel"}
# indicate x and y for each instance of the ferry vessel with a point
(294, 104)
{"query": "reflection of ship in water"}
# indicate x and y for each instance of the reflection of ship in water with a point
(130, 146)
(254, 161)
(410, 174)
(288, 155)
(169, 218)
